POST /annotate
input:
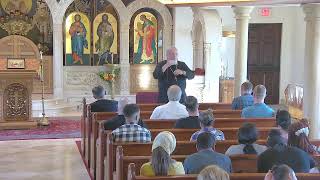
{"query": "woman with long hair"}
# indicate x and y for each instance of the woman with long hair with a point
(298, 137)
(247, 136)
(213, 172)
(161, 163)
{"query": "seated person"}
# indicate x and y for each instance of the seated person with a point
(173, 109)
(205, 156)
(247, 136)
(281, 172)
(246, 99)
(206, 120)
(119, 120)
(131, 131)
(191, 122)
(259, 109)
(161, 163)
(101, 104)
(298, 137)
(315, 170)
(213, 172)
(283, 120)
(280, 153)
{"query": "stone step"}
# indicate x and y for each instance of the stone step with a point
(54, 108)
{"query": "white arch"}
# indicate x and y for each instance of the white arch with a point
(212, 36)
(198, 42)
(164, 13)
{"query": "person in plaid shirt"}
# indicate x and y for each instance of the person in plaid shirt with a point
(131, 131)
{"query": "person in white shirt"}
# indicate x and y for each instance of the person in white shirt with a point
(173, 109)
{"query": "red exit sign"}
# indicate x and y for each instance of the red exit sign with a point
(265, 12)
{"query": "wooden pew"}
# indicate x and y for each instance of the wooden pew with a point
(219, 123)
(87, 139)
(229, 133)
(240, 163)
(106, 151)
(183, 148)
(143, 107)
(184, 135)
(233, 176)
(92, 124)
(202, 106)
(82, 126)
(122, 163)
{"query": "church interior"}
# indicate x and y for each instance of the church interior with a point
(54, 52)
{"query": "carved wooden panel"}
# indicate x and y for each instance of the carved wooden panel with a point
(18, 46)
(16, 102)
(15, 96)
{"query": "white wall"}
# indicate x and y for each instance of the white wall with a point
(182, 34)
(228, 55)
(292, 42)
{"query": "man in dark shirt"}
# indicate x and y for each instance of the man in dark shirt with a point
(191, 122)
(280, 153)
(172, 72)
(246, 99)
(119, 120)
(101, 104)
(206, 156)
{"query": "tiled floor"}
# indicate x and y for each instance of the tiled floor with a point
(41, 160)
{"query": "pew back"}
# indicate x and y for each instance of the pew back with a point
(202, 106)
(219, 123)
(233, 176)
(240, 163)
(82, 125)
(144, 149)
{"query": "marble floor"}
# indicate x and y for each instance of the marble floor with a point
(41, 160)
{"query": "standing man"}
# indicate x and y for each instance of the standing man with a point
(172, 72)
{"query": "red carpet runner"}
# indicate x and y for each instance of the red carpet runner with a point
(58, 129)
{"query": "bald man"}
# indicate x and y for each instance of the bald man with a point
(259, 109)
(172, 72)
(173, 109)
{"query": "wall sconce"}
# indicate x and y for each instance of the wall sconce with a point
(229, 34)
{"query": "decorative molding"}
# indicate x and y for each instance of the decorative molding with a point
(81, 80)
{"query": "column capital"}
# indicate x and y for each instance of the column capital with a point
(312, 11)
(242, 12)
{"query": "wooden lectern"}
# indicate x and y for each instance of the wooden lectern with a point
(16, 99)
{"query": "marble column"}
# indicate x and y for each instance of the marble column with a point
(57, 61)
(242, 15)
(311, 94)
(124, 61)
